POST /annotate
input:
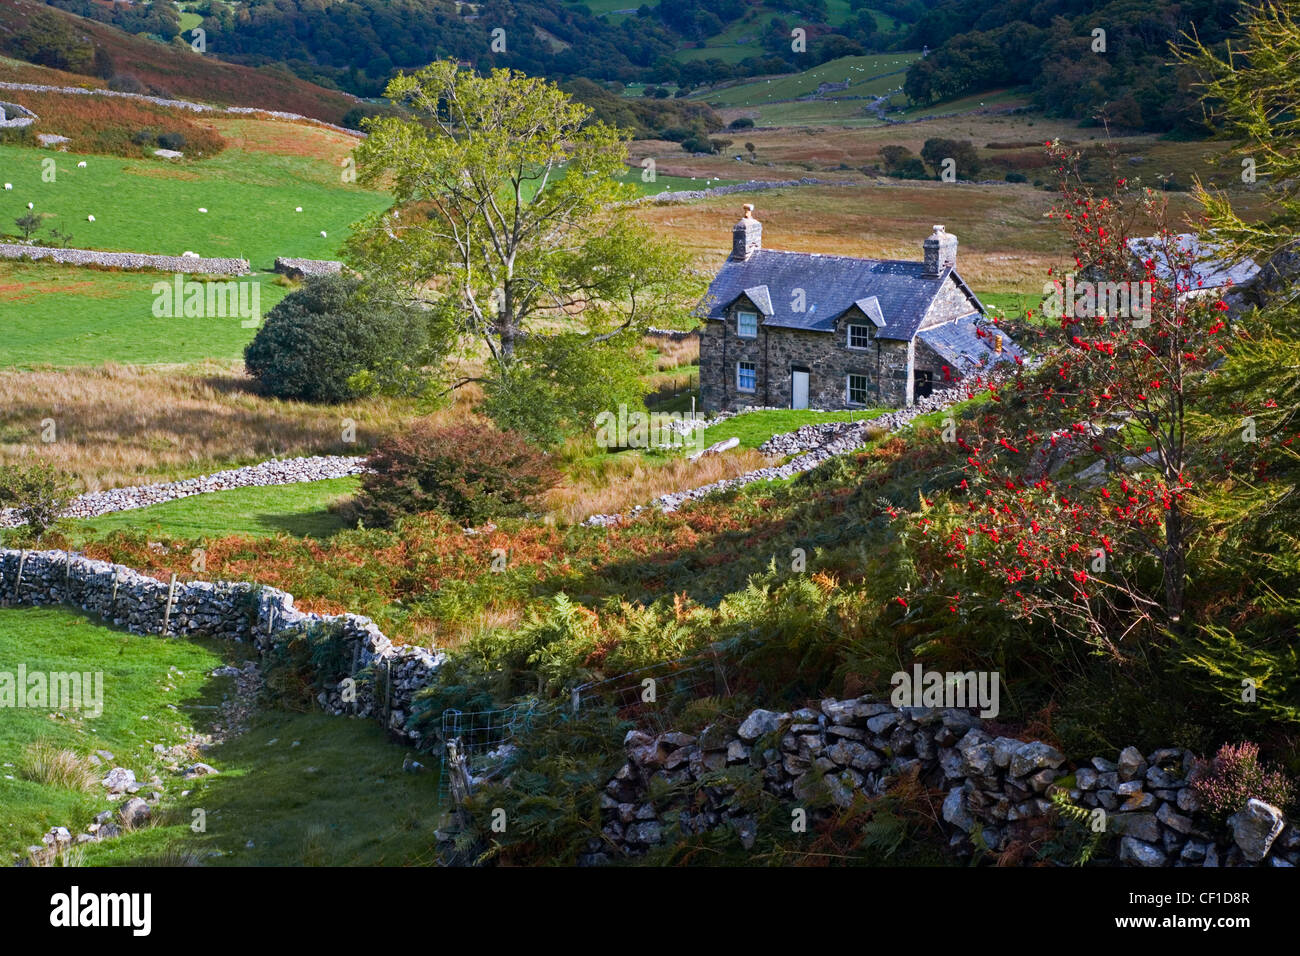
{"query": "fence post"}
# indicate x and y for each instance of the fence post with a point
(171, 596)
(22, 560)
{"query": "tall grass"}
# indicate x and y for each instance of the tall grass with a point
(626, 481)
(43, 762)
(120, 425)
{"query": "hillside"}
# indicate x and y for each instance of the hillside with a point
(109, 57)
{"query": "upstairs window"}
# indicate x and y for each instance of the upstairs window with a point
(859, 337)
(746, 376)
(747, 325)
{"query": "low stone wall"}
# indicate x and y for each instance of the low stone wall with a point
(244, 612)
(184, 265)
(997, 787)
(13, 116)
(298, 268)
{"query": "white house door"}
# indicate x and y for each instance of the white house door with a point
(799, 389)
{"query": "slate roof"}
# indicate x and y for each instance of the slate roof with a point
(958, 344)
(1210, 267)
(831, 285)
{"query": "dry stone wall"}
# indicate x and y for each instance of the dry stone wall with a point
(997, 789)
(260, 616)
(127, 260)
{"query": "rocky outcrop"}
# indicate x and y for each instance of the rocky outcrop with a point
(1277, 281)
(997, 790)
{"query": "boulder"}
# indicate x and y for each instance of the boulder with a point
(1254, 828)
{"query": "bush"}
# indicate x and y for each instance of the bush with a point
(468, 472)
(743, 123)
(126, 83)
(171, 140)
(38, 493)
(1014, 177)
(326, 343)
(1234, 776)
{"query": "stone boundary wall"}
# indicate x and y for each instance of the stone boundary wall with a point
(184, 265)
(258, 615)
(997, 787)
(14, 116)
(178, 104)
(300, 268)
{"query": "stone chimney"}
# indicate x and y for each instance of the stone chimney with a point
(940, 251)
(746, 235)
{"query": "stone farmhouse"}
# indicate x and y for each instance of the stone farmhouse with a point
(799, 330)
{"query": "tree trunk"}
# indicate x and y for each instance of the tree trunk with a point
(1175, 564)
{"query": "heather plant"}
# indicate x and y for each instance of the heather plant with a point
(1235, 775)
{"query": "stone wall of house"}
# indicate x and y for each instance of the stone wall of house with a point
(186, 265)
(998, 789)
(260, 616)
(776, 352)
(951, 303)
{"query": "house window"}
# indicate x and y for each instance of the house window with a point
(857, 390)
(746, 376)
(747, 325)
(859, 337)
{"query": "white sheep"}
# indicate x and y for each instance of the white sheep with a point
(81, 165)
(299, 209)
(189, 255)
(201, 209)
(9, 185)
(322, 234)
(90, 219)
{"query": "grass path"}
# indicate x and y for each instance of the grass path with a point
(301, 788)
(150, 692)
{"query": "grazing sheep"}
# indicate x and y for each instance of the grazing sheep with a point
(299, 209)
(9, 185)
(322, 234)
(189, 255)
(81, 165)
(31, 206)
(90, 219)
(201, 209)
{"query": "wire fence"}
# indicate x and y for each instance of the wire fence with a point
(655, 696)
(475, 744)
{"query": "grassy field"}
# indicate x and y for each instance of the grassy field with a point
(152, 205)
(867, 75)
(301, 510)
(151, 688)
(754, 428)
(64, 315)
